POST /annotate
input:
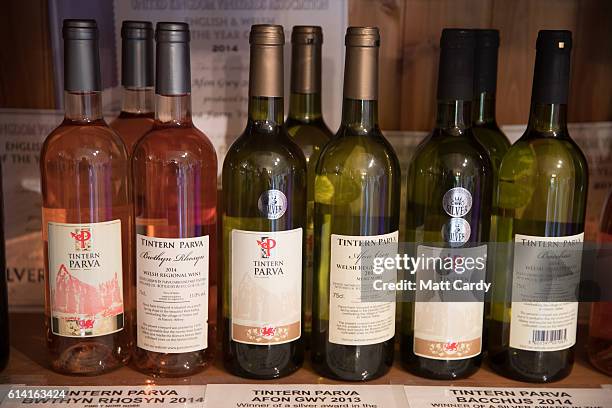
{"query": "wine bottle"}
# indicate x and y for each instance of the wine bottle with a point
(4, 314)
(137, 53)
(484, 124)
(539, 215)
(86, 221)
(448, 216)
(175, 197)
(264, 216)
(357, 193)
(305, 124)
(599, 346)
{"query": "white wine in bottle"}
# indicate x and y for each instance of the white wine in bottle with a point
(541, 202)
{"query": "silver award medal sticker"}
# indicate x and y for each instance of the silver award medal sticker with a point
(456, 232)
(272, 204)
(457, 202)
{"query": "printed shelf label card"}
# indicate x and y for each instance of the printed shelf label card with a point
(304, 396)
(183, 396)
(85, 278)
(172, 292)
(504, 397)
(266, 286)
(22, 133)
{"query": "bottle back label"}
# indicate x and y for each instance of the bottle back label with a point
(352, 321)
(546, 275)
(445, 329)
(172, 293)
(266, 286)
(85, 279)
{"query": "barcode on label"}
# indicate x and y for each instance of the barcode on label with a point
(549, 336)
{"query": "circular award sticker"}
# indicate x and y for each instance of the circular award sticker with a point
(457, 202)
(272, 204)
(456, 232)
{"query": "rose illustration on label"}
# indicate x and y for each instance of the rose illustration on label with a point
(457, 202)
(456, 232)
(266, 244)
(272, 204)
(82, 239)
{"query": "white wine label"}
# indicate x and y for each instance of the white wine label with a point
(266, 286)
(446, 329)
(85, 278)
(457, 202)
(272, 204)
(352, 321)
(304, 396)
(503, 397)
(172, 293)
(546, 275)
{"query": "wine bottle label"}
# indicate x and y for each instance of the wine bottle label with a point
(446, 329)
(266, 286)
(546, 275)
(172, 293)
(85, 278)
(353, 321)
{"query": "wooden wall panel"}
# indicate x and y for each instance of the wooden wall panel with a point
(26, 67)
(388, 16)
(591, 87)
(423, 24)
(410, 31)
(519, 22)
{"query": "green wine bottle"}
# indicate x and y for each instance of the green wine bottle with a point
(305, 124)
(484, 124)
(448, 216)
(540, 228)
(264, 215)
(357, 192)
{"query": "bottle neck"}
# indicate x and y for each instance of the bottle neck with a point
(549, 118)
(83, 106)
(454, 116)
(138, 101)
(266, 113)
(484, 108)
(360, 115)
(173, 110)
(305, 107)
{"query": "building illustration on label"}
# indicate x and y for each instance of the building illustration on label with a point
(86, 280)
(272, 204)
(266, 286)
